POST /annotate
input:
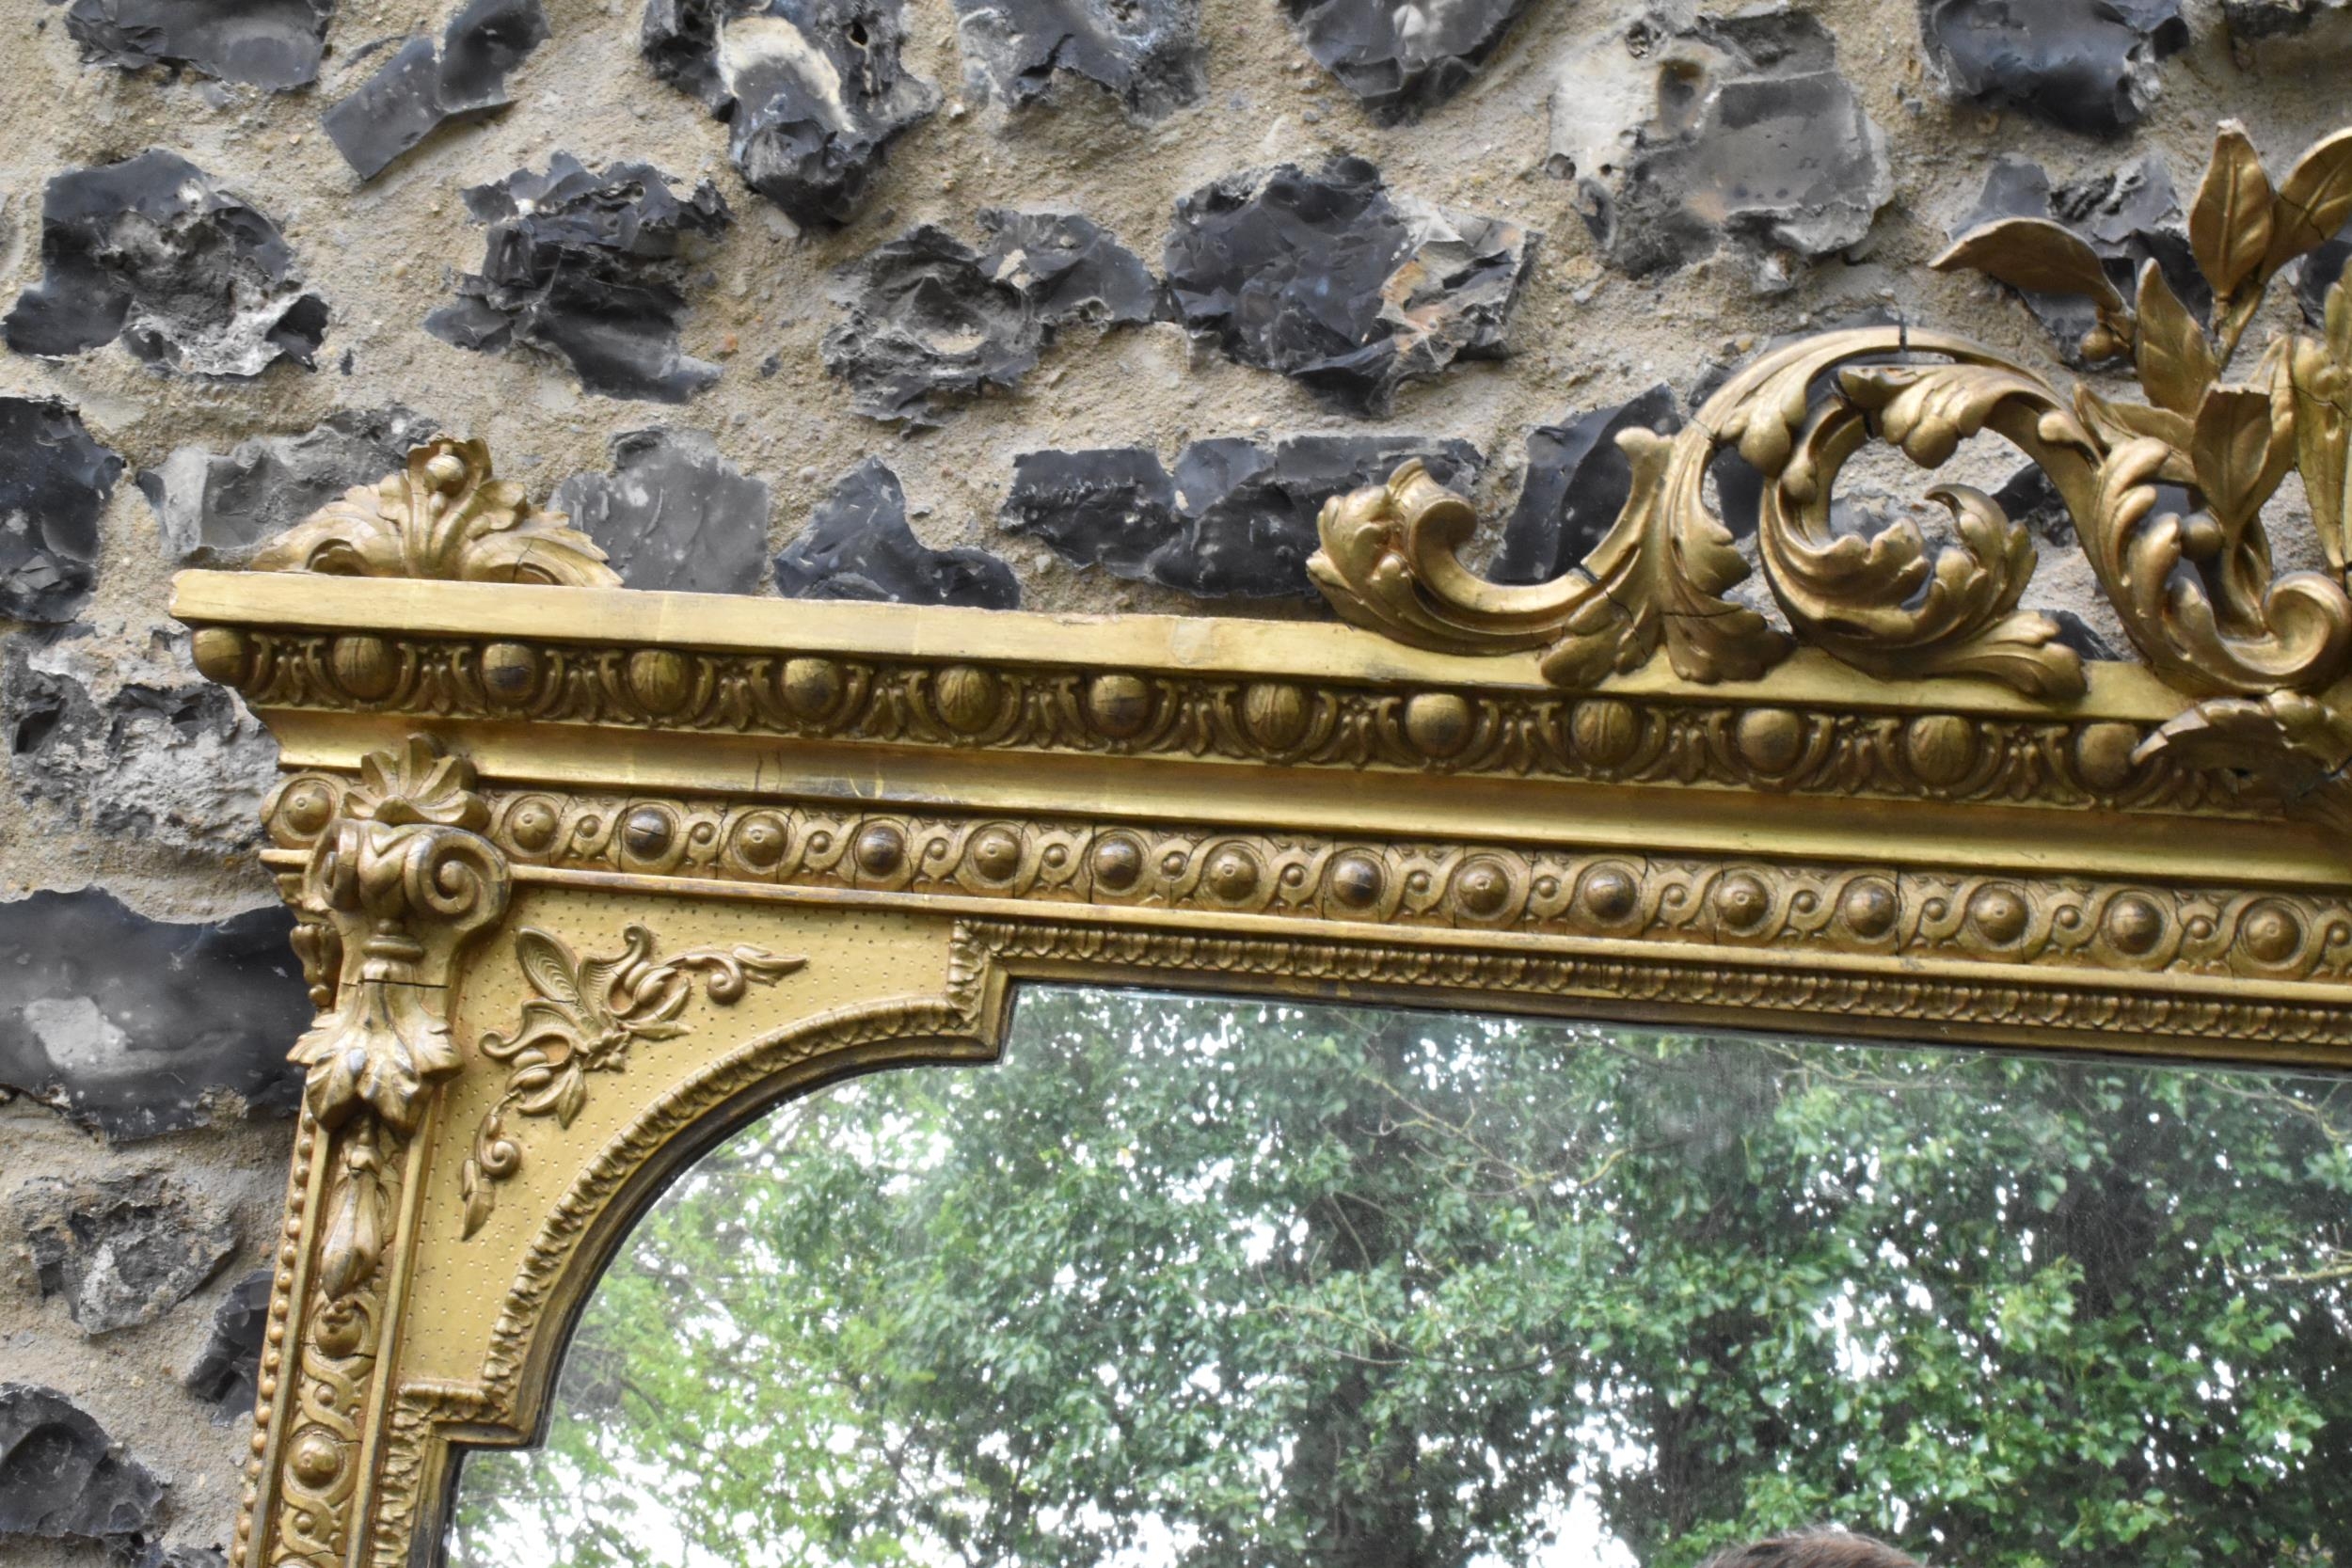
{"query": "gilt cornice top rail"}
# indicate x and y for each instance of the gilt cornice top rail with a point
(1207, 647)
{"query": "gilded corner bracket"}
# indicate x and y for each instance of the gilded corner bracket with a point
(584, 876)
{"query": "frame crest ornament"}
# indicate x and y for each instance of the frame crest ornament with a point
(1899, 806)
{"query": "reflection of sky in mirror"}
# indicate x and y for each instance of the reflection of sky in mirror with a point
(1215, 1284)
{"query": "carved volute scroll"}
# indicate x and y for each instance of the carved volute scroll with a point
(2194, 587)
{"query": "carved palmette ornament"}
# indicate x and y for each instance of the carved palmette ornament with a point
(2195, 590)
(441, 516)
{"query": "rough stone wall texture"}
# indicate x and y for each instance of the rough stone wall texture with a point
(1070, 302)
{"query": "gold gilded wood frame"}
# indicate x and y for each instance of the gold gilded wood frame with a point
(587, 878)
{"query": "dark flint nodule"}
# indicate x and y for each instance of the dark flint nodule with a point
(122, 1249)
(674, 515)
(2320, 270)
(421, 90)
(156, 1554)
(1066, 267)
(274, 44)
(2029, 498)
(924, 324)
(2078, 634)
(2086, 65)
(171, 761)
(63, 1479)
(857, 545)
(1148, 52)
(1329, 280)
(929, 320)
(217, 507)
(812, 91)
(1751, 135)
(590, 267)
(2253, 21)
(2128, 217)
(1400, 57)
(135, 1027)
(1236, 520)
(1112, 507)
(1577, 480)
(54, 482)
(190, 277)
(226, 1369)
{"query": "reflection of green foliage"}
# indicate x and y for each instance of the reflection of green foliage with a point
(1243, 1285)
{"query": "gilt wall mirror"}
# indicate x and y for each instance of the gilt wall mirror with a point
(1757, 1029)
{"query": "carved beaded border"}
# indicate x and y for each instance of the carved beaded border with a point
(1600, 738)
(272, 1368)
(1819, 908)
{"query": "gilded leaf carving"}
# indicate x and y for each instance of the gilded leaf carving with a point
(2175, 362)
(2312, 203)
(2229, 219)
(2041, 257)
(2319, 375)
(1884, 604)
(2114, 424)
(2230, 447)
(443, 516)
(2298, 746)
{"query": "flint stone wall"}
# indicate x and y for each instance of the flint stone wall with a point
(1028, 313)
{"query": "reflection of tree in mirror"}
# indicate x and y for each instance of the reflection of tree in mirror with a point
(1203, 1283)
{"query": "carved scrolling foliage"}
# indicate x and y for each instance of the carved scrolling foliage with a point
(2167, 498)
(582, 1017)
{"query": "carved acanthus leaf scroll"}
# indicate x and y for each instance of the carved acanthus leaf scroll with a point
(584, 1016)
(2167, 498)
(443, 516)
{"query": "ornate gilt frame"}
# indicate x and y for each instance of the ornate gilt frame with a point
(586, 878)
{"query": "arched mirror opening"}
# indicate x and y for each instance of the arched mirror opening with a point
(1191, 1281)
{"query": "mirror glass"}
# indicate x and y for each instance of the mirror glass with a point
(1191, 1281)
